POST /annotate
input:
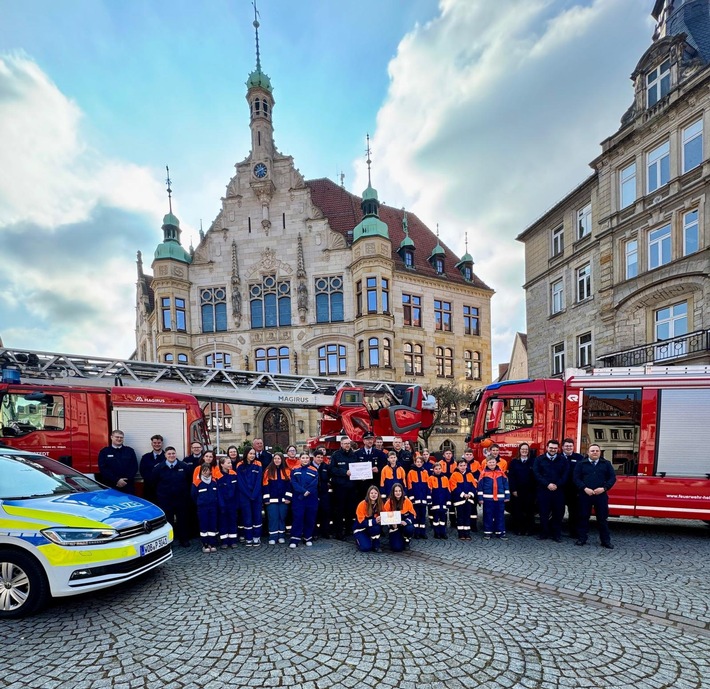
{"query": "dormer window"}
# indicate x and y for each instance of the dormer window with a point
(658, 83)
(467, 273)
(409, 259)
(439, 265)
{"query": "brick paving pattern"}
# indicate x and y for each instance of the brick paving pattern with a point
(521, 613)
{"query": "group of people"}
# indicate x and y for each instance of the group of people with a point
(295, 497)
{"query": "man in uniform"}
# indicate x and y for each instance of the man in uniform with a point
(148, 462)
(344, 492)
(551, 471)
(571, 492)
(594, 478)
(262, 455)
(118, 464)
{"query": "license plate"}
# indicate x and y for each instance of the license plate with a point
(151, 547)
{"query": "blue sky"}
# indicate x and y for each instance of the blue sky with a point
(482, 115)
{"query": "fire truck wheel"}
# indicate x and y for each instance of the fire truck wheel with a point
(23, 585)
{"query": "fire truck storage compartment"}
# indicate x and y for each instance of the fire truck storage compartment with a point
(684, 433)
(139, 424)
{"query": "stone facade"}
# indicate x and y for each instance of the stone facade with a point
(638, 224)
(288, 279)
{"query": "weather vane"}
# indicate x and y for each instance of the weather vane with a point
(368, 159)
(170, 191)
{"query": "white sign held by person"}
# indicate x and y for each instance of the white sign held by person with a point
(360, 471)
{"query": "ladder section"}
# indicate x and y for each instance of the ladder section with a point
(214, 384)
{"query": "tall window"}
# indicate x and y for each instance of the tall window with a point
(444, 362)
(690, 232)
(272, 360)
(659, 247)
(627, 185)
(670, 322)
(213, 305)
(386, 352)
(584, 221)
(413, 359)
(472, 362)
(385, 295)
(439, 265)
(372, 295)
(631, 250)
(557, 296)
(361, 354)
(180, 320)
(373, 351)
(558, 358)
(692, 145)
(165, 310)
(584, 282)
(658, 167)
(358, 297)
(584, 350)
(658, 83)
(412, 306)
(558, 241)
(442, 315)
(329, 299)
(470, 321)
(332, 360)
(218, 360)
(270, 302)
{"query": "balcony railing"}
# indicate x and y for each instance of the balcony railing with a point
(664, 351)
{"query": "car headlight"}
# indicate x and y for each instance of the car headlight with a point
(76, 536)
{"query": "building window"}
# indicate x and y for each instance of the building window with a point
(180, 320)
(470, 321)
(385, 295)
(599, 434)
(373, 351)
(448, 445)
(358, 297)
(412, 306)
(413, 359)
(658, 83)
(165, 310)
(692, 145)
(472, 361)
(218, 360)
(442, 315)
(558, 241)
(444, 362)
(182, 358)
(329, 299)
(439, 265)
(361, 354)
(691, 235)
(627, 185)
(584, 282)
(371, 295)
(658, 167)
(169, 358)
(659, 247)
(558, 358)
(270, 303)
(213, 304)
(408, 258)
(631, 250)
(218, 415)
(387, 352)
(584, 221)
(332, 360)
(671, 322)
(584, 350)
(557, 297)
(273, 360)
(614, 433)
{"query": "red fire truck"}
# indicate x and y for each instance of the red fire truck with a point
(652, 423)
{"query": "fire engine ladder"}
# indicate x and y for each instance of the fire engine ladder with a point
(211, 384)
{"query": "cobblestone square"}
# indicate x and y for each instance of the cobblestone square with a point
(521, 613)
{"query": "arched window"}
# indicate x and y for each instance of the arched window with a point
(270, 303)
(448, 445)
(213, 304)
(272, 360)
(444, 362)
(472, 361)
(373, 346)
(332, 360)
(182, 358)
(169, 358)
(329, 299)
(413, 359)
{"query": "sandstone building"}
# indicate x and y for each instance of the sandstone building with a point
(619, 270)
(302, 277)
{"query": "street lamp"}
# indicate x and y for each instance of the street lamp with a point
(301, 426)
(247, 428)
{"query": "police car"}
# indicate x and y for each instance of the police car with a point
(62, 533)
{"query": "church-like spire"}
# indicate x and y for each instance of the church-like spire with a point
(257, 79)
(371, 224)
(170, 246)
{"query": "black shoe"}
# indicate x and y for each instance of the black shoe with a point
(580, 542)
(609, 546)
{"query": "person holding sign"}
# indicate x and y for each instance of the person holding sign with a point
(367, 522)
(402, 511)
(391, 474)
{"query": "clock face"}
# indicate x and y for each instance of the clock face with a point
(260, 170)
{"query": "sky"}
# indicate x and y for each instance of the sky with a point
(482, 114)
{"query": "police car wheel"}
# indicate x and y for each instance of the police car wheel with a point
(23, 586)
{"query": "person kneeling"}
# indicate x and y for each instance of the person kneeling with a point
(400, 534)
(367, 522)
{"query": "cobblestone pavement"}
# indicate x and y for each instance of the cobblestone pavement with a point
(521, 613)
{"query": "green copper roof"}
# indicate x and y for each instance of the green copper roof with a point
(370, 226)
(170, 219)
(466, 258)
(407, 241)
(172, 249)
(369, 194)
(438, 250)
(257, 79)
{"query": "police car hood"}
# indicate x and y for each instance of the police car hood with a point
(99, 508)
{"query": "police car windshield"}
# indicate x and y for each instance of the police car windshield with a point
(30, 476)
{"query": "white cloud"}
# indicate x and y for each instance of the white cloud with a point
(70, 222)
(493, 113)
